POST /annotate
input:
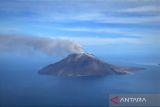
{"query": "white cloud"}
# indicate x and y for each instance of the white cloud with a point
(141, 9)
(152, 41)
(103, 41)
(102, 11)
(119, 32)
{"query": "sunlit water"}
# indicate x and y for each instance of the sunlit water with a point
(21, 85)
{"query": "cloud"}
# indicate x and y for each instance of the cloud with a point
(50, 46)
(85, 41)
(111, 32)
(116, 33)
(151, 41)
(103, 11)
(143, 9)
(126, 17)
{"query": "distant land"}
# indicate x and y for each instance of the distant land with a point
(84, 64)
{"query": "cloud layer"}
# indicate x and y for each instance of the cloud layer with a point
(88, 21)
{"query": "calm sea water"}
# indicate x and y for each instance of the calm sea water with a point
(21, 85)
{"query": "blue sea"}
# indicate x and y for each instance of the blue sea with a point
(22, 86)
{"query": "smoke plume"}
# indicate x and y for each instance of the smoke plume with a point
(50, 46)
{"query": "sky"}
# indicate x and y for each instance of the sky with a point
(108, 26)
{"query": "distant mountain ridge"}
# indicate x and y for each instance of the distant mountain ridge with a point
(83, 64)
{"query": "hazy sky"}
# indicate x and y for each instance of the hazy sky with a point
(119, 23)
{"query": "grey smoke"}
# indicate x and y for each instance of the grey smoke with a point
(48, 45)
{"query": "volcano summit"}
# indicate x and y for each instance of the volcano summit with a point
(83, 64)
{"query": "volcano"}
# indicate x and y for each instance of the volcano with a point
(83, 64)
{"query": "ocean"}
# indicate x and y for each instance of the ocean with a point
(22, 86)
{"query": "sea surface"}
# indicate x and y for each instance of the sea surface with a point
(21, 85)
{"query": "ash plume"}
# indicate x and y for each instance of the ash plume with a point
(48, 45)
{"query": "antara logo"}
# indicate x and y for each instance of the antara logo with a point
(133, 100)
(117, 100)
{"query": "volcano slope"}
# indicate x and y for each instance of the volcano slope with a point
(84, 64)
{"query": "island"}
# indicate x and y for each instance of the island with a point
(84, 64)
